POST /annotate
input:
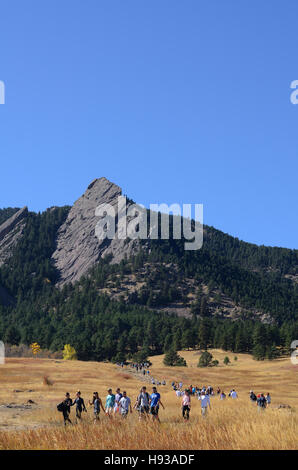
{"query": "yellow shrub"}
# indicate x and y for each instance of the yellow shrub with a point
(69, 353)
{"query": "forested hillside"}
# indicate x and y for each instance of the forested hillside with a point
(87, 315)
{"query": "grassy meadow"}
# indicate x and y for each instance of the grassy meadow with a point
(230, 424)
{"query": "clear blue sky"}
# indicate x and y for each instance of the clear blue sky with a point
(175, 101)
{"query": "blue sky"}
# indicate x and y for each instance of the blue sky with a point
(174, 101)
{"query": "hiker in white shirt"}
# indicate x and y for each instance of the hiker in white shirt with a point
(124, 405)
(233, 394)
(205, 401)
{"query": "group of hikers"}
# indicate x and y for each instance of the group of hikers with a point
(203, 395)
(261, 400)
(118, 403)
(148, 404)
(143, 368)
(209, 391)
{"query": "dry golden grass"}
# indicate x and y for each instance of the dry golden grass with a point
(231, 424)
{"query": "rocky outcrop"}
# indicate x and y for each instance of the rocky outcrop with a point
(10, 232)
(78, 247)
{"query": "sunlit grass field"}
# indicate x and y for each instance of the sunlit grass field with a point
(230, 424)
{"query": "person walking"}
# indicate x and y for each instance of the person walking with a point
(154, 404)
(67, 403)
(142, 403)
(268, 398)
(118, 397)
(233, 394)
(124, 405)
(186, 405)
(97, 404)
(80, 405)
(222, 395)
(261, 402)
(205, 402)
(110, 402)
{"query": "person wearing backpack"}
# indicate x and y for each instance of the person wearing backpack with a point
(142, 403)
(64, 407)
(261, 402)
(80, 405)
(252, 396)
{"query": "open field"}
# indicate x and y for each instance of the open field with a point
(231, 424)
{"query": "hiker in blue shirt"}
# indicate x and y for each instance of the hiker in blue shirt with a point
(154, 404)
(110, 402)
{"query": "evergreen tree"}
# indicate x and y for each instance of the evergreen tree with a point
(172, 358)
(226, 361)
(205, 359)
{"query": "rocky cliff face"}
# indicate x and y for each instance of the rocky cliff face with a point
(10, 232)
(78, 247)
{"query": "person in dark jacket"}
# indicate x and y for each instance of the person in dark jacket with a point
(80, 405)
(67, 402)
(261, 402)
(252, 396)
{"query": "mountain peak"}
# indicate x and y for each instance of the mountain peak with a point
(78, 248)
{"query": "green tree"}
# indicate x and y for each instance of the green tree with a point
(205, 359)
(259, 352)
(226, 360)
(12, 335)
(172, 358)
(204, 333)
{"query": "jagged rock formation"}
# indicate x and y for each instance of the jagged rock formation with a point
(10, 232)
(78, 247)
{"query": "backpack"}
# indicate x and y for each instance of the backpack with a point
(61, 406)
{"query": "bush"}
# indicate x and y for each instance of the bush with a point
(226, 360)
(69, 353)
(205, 359)
(172, 358)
